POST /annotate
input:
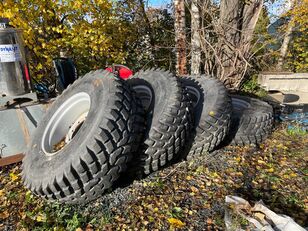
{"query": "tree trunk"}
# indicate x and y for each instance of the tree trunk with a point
(147, 23)
(284, 47)
(195, 38)
(180, 37)
(286, 41)
(237, 23)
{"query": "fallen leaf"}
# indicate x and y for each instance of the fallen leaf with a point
(260, 216)
(194, 189)
(208, 183)
(176, 222)
(4, 214)
(13, 176)
(239, 174)
(39, 218)
(293, 174)
(261, 162)
(274, 187)
(209, 221)
(1, 192)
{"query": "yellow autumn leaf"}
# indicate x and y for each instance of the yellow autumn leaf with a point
(274, 187)
(286, 176)
(293, 174)
(239, 173)
(215, 174)
(13, 176)
(8, 14)
(39, 218)
(176, 222)
(261, 162)
(59, 30)
(39, 66)
(211, 113)
(194, 189)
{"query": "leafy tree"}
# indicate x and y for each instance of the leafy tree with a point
(90, 31)
(152, 42)
(297, 59)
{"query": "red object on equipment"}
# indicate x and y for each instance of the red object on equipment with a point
(122, 71)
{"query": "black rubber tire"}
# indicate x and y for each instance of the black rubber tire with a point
(169, 124)
(212, 113)
(88, 165)
(251, 121)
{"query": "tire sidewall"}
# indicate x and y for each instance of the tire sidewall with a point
(99, 90)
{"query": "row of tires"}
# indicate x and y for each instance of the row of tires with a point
(103, 127)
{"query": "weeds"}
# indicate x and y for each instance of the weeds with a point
(251, 86)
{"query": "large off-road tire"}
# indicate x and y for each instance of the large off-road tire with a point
(212, 113)
(84, 141)
(168, 120)
(251, 121)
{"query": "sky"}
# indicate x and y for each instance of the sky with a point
(275, 9)
(158, 3)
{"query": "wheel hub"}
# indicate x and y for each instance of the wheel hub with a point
(65, 123)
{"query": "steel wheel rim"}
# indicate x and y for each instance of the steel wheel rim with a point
(64, 122)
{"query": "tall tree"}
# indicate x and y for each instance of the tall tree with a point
(152, 43)
(195, 38)
(180, 37)
(286, 40)
(237, 23)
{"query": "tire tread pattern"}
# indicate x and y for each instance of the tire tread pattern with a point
(214, 121)
(165, 139)
(106, 156)
(254, 125)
